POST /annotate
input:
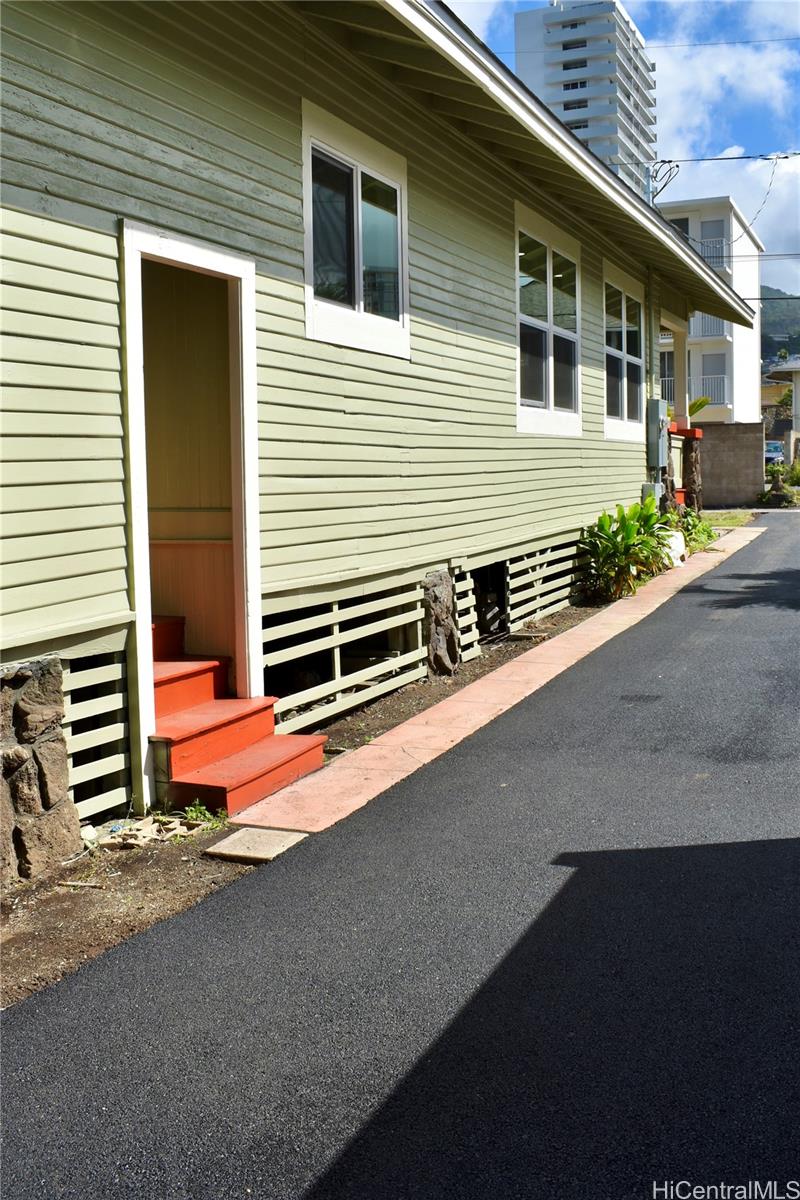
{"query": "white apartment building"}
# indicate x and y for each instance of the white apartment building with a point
(587, 63)
(724, 360)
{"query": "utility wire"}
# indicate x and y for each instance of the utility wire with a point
(666, 45)
(759, 257)
(651, 162)
(752, 222)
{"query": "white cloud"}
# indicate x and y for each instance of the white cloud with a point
(703, 91)
(477, 14)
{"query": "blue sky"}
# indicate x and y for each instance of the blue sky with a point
(736, 98)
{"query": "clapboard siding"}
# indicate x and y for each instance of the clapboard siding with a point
(187, 117)
(63, 524)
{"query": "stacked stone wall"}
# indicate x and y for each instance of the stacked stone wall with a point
(39, 825)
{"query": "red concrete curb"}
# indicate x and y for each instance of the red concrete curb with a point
(320, 800)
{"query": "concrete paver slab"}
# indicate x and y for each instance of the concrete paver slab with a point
(255, 845)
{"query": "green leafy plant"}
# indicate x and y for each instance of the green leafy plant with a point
(792, 474)
(620, 551)
(695, 407)
(199, 812)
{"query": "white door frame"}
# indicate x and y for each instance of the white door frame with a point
(142, 242)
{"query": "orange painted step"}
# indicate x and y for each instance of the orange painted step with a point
(187, 682)
(235, 782)
(168, 635)
(201, 735)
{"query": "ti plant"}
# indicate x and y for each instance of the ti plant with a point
(620, 551)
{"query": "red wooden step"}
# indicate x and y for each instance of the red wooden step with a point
(235, 782)
(187, 682)
(201, 735)
(168, 637)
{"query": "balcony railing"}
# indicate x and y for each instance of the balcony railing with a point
(713, 386)
(716, 252)
(701, 325)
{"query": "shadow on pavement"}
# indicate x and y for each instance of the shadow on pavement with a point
(778, 589)
(646, 1027)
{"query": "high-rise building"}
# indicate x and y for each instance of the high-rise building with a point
(587, 63)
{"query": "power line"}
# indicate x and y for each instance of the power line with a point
(646, 162)
(753, 220)
(734, 42)
(759, 257)
(669, 45)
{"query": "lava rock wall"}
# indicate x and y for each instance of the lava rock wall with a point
(39, 825)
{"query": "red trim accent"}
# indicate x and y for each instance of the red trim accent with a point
(685, 431)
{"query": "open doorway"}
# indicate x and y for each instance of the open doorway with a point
(192, 439)
(187, 389)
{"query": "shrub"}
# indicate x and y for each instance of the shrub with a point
(792, 474)
(621, 551)
(778, 494)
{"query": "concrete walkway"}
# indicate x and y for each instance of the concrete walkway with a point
(559, 961)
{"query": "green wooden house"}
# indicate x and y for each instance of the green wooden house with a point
(302, 302)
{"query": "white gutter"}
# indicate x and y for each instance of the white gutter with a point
(474, 60)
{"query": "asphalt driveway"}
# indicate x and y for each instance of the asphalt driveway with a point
(561, 961)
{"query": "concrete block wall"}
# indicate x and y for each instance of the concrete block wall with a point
(732, 463)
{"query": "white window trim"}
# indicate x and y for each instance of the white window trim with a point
(143, 242)
(335, 323)
(548, 422)
(616, 430)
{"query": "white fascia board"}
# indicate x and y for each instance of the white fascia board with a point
(475, 61)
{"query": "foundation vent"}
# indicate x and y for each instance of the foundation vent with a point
(541, 580)
(325, 653)
(96, 731)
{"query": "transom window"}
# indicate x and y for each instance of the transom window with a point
(624, 355)
(354, 209)
(548, 327)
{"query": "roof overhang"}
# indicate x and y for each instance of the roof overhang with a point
(488, 102)
(786, 373)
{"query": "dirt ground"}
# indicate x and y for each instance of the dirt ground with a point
(48, 929)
